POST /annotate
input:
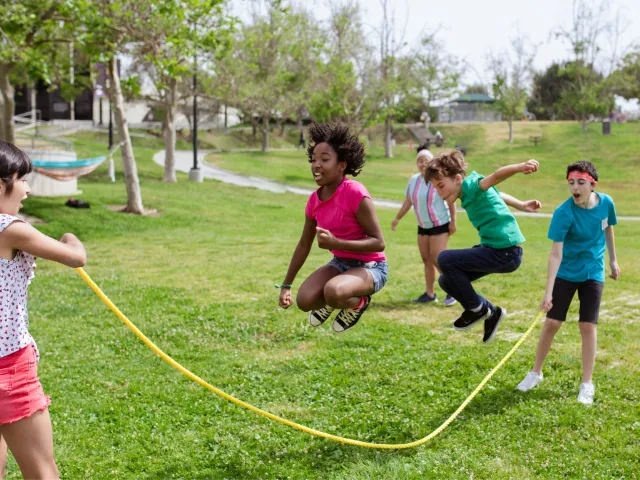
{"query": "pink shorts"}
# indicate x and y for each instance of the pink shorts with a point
(21, 394)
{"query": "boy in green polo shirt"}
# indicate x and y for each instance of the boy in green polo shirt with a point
(580, 229)
(500, 237)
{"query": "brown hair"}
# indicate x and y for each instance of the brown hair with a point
(13, 161)
(447, 164)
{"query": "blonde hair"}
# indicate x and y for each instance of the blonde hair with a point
(425, 153)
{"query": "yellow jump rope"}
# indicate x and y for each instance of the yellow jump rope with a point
(335, 438)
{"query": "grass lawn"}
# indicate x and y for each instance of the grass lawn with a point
(198, 280)
(617, 158)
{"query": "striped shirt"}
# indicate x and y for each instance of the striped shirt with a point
(431, 210)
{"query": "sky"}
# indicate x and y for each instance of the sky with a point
(470, 30)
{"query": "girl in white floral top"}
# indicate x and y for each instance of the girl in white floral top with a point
(25, 426)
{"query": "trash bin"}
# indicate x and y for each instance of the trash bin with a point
(606, 127)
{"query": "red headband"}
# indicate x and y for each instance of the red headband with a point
(584, 175)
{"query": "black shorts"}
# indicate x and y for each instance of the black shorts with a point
(589, 293)
(439, 230)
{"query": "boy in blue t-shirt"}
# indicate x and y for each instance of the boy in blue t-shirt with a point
(580, 228)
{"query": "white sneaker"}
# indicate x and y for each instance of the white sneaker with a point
(531, 380)
(587, 390)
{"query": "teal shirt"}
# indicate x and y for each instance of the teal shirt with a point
(582, 232)
(489, 214)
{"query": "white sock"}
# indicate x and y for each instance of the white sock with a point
(477, 309)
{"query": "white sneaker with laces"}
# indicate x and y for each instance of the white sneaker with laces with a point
(531, 380)
(587, 390)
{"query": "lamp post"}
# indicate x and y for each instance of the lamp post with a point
(195, 174)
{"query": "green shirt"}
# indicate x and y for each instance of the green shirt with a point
(489, 214)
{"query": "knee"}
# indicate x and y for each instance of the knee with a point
(587, 328)
(552, 325)
(303, 302)
(335, 293)
(442, 261)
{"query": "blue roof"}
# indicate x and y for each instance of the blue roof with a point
(474, 98)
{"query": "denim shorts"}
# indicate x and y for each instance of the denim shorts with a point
(378, 270)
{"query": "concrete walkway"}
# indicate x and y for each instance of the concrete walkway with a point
(184, 162)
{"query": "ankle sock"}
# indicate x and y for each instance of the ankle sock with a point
(362, 300)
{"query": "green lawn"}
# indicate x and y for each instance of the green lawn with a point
(198, 280)
(617, 158)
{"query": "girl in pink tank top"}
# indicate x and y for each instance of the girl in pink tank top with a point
(342, 216)
(25, 426)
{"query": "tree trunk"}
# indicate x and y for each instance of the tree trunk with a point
(388, 153)
(299, 122)
(265, 133)
(7, 105)
(510, 121)
(1, 116)
(584, 125)
(225, 116)
(254, 127)
(134, 197)
(170, 134)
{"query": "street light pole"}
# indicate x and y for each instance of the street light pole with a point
(195, 174)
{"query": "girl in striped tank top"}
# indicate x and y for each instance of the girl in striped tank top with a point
(436, 221)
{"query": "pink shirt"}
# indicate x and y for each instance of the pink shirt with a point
(338, 215)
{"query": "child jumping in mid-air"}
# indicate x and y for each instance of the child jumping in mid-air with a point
(341, 213)
(579, 229)
(436, 221)
(500, 238)
(25, 426)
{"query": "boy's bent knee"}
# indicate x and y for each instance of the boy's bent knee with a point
(443, 260)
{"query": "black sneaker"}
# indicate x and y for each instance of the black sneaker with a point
(318, 317)
(491, 324)
(468, 318)
(347, 318)
(425, 298)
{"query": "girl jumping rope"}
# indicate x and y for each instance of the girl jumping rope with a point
(341, 213)
(25, 426)
(436, 221)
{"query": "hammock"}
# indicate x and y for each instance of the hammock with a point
(66, 171)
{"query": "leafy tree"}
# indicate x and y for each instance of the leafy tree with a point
(476, 88)
(546, 95)
(625, 81)
(166, 53)
(30, 33)
(588, 94)
(510, 80)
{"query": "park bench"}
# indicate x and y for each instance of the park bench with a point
(535, 139)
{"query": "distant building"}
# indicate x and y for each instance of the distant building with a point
(471, 107)
(50, 103)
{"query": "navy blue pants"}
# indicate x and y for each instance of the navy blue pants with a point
(461, 267)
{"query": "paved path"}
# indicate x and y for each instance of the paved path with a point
(184, 162)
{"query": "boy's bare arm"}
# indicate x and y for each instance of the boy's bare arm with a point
(611, 248)
(500, 175)
(526, 206)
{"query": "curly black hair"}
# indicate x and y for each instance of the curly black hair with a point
(422, 146)
(345, 144)
(583, 166)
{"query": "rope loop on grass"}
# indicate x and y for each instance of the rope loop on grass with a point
(317, 433)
